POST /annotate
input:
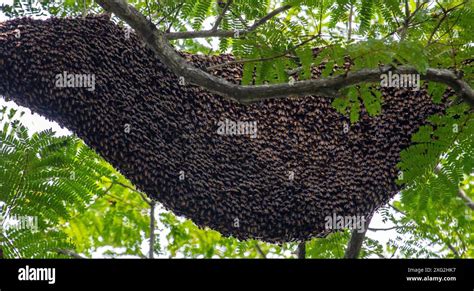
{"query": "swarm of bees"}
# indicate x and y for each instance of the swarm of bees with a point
(162, 133)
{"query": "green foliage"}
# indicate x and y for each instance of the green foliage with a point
(349, 102)
(435, 169)
(412, 53)
(434, 141)
(366, 11)
(331, 247)
(306, 59)
(41, 178)
(186, 239)
(436, 90)
(117, 220)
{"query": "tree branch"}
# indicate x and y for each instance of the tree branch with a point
(247, 94)
(396, 209)
(453, 249)
(407, 22)
(70, 253)
(349, 29)
(243, 61)
(176, 12)
(144, 197)
(221, 16)
(355, 243)
(269, 16)
(384, 229)
(200, 34)
(214, 32)
(466, 198)
(301, 250)
(152, 230)
(286, 53)
(445, 15)
(260, 251)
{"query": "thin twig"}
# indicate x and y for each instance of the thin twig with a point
(70, 253)
(445, 15)
(178, 9)
(349, 29)
(453, 249)
(284, 54)
(384, 229)
(152, 230)
(396, 209)
(260, 251)
(144, 197)
(225, 33)
(269, 16)
(221, 16)
(148, 8)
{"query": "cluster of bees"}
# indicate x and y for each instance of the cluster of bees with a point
(162, 133)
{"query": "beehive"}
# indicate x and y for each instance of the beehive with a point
(163, 135)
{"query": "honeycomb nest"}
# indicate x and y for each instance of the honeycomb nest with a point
(302, 166)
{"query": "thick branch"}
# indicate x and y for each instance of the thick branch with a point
(355, 243)
(247, 94)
